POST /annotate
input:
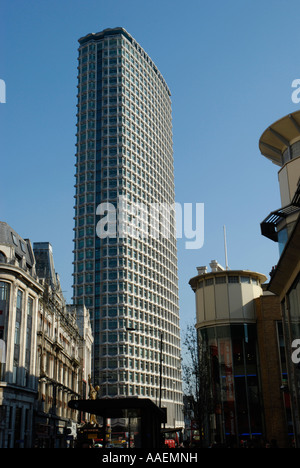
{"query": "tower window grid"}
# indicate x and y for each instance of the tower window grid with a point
(135, 160)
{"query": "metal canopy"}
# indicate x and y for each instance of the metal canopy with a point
(279, 136)
(118, 407)
(270, 223)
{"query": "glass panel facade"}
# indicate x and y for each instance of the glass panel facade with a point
(28, 339)
(282, 239)
(294, 309)
(233, 368)
(291, 332)
(292, 152)
(17, 340)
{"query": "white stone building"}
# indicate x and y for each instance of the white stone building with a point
(42, 348)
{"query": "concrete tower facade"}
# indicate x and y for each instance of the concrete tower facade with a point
(125, 266)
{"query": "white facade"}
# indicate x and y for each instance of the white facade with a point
(19, 298)
(226, 297)
(85, 347)
(42, 349)
(129, 283)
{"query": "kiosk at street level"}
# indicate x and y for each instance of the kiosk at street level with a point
(140, 417)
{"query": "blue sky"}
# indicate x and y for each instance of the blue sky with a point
(229, 66)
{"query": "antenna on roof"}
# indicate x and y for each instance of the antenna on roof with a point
(225, 247)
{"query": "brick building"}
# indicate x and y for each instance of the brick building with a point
(273, 372)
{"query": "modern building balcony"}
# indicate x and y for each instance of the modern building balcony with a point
(270, 226)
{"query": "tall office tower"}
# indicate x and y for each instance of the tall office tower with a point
(126, 272)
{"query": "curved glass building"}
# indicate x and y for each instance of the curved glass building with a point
(227, 333)
(125, 265)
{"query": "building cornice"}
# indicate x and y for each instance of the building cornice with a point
(19, 273)
(213, 274)
(110, 32)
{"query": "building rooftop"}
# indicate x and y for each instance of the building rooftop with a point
(22, 247)
(117, 31)
(218, 270)
(277, 138)
(45, 262)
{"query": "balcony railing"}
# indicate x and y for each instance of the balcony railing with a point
(270, 223)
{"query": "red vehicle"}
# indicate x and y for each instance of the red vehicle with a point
(170, 443)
